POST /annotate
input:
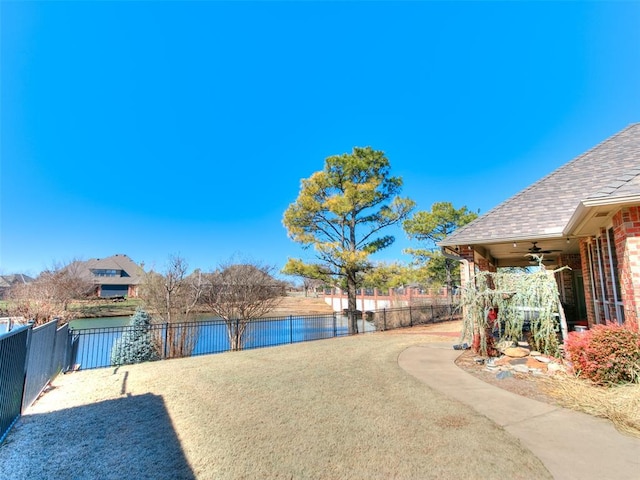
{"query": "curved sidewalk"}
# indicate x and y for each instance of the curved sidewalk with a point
(572, 445)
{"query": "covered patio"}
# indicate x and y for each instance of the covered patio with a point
(585, 215)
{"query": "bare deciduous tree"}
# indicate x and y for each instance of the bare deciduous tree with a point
(311, 284)
(171, 296)
(50, 294)
(241, 293)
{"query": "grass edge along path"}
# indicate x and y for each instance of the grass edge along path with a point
(331, 409)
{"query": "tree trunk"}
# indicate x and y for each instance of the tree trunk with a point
(168, 306)
(235, 332)
(351, 303)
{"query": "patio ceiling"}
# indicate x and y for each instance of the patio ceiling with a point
(516, 253)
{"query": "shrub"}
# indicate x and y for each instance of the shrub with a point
(136, 344)
(605, 354)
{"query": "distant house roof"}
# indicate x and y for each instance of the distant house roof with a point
(7, 281)
(556, 205)
(129, 272)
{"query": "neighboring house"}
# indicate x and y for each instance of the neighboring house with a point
(115, 276)
(585, 215)
(8, 281)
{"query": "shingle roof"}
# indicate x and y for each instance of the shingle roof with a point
(9, 280)
(607, 171)
(115, 262)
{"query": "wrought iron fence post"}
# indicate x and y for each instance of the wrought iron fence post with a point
(68, 352)
(290, 328)
(335, 325)
(166, 339)
(432, 320)
(384, 318)
(410, 317)
(26, 365)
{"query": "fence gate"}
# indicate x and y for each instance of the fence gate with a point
(13, 356)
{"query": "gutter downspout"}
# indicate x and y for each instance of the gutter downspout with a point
(458, 258)
(464, 271)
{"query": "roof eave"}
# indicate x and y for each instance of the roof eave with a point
(605, 201)
(589, 207)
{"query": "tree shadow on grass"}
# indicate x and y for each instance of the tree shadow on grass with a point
(129, 437)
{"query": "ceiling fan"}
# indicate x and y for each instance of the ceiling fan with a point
(536, 250)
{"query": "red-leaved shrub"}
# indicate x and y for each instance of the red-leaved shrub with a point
(605, 354)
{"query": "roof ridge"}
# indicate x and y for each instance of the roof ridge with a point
(569, 163)
(574, 160)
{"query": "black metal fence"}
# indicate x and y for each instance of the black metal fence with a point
(13, 357)
(46, 358)
(93, 347)
(29, 359)
(391, 318)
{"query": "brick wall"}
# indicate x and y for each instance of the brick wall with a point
(626, 225)
(484, 265)
(626, 260)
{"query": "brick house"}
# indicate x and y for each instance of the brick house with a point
(585, 215)
(115, 276)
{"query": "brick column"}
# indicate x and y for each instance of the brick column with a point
(467, 269)
(626, 229)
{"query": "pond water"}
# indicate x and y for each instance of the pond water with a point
(93, 338)
(100, 322)
(106, 322)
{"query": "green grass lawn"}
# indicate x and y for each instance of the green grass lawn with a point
(105, 307)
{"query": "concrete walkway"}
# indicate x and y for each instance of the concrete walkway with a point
(572, 445)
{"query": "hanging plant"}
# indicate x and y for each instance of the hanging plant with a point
(527, 304)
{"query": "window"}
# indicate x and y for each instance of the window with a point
(615, 277)
(103, 272)
(597, 283)
(605, 280)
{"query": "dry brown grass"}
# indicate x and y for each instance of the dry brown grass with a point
(621, 404)
(331, 409)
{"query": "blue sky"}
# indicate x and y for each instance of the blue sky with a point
(156, 128)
